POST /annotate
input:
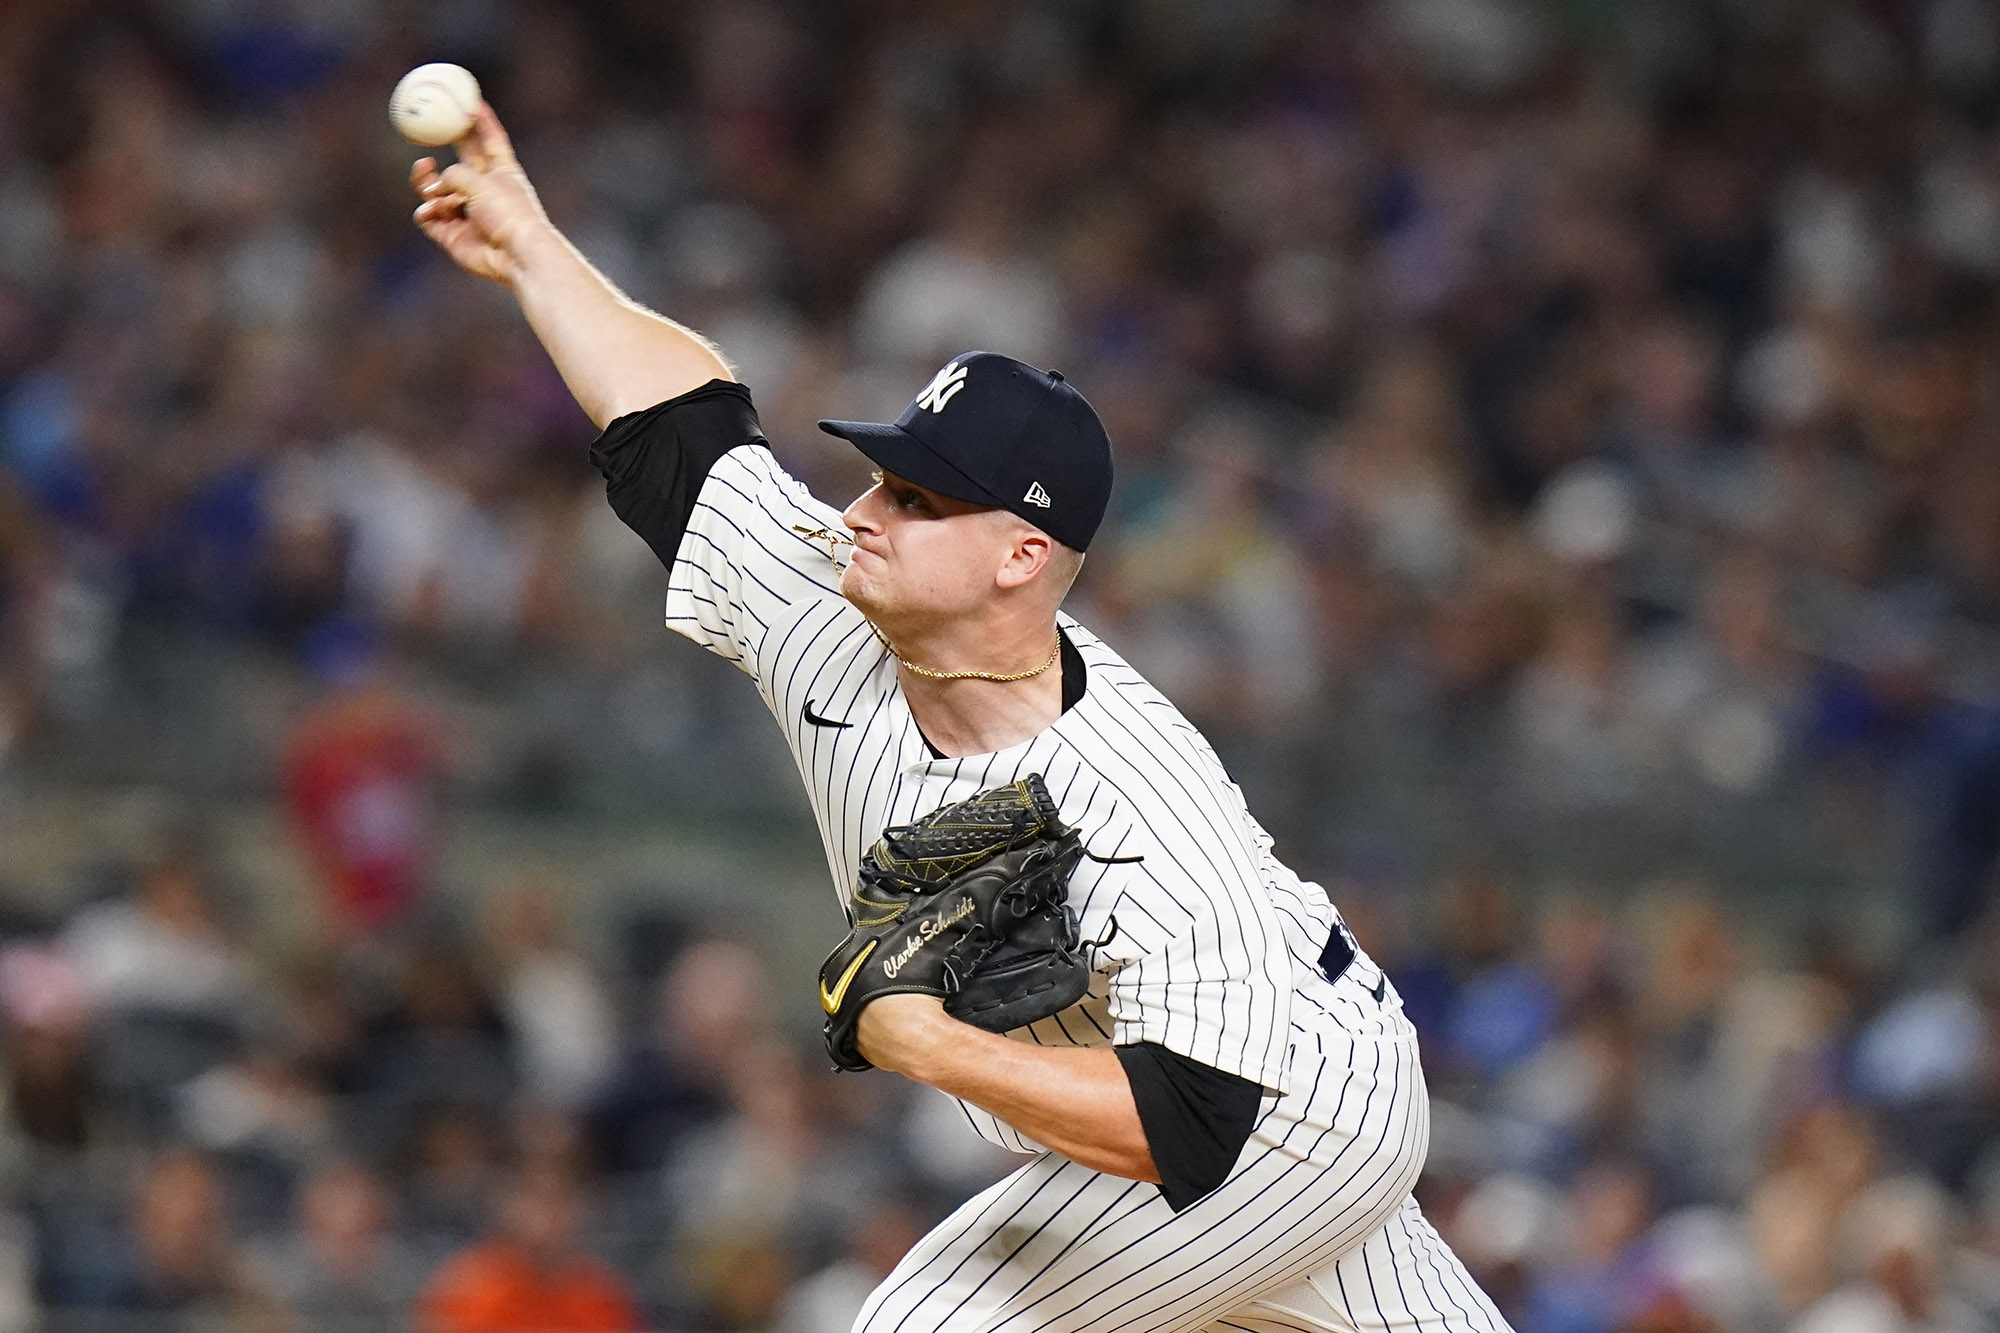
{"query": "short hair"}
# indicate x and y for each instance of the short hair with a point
(1065, 563)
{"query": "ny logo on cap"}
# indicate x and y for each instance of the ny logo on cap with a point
(947, 382)
(1037, 496)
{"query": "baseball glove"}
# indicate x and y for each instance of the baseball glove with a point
(967, 904)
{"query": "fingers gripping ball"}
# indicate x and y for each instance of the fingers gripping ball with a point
(434, 104)
(968, 904)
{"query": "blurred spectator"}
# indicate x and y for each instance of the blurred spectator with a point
(709, 1007)
(1722, 694)
(1924, 1057)
(967, 285)
(182, 1257)
(1609, 1276)
(1506, 1230)
(1824, 1157)
(341, 1267)
(262, 1120)
(450, 1175)
(1476, 928)
(1896, 1244)
(52, 1090)
(556, 1009)
(753, 1187)
(530, 1276)
(169, 984)
(1218, 586)
(1711, 1277)
(360, 768)
(441, 1048)
(1960, 856)
(1394, 466)
(1577, 735)
(1693, 962)
(830, 1300)
(437, 546)
(320, 1024)
(163, 949)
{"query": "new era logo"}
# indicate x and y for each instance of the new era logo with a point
(1037, 496)
(947, 382)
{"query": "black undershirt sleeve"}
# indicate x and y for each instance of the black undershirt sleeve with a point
(1196, 1118)
(1075, 675)
(654, 462)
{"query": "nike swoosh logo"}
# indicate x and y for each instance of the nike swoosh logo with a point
(1381, 988)
(831, 1002)
(816, 720)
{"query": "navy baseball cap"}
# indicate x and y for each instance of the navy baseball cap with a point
(995, 431)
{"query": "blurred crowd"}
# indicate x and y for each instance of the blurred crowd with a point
(1540, 426)
(1646, 1117)
(479, 1127)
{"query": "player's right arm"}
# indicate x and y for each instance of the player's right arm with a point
(615, 355)
(683, 457)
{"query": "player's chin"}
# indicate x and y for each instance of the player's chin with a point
(857, 587)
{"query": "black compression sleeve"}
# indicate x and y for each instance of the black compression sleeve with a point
(1196, 1118)
(654, 462)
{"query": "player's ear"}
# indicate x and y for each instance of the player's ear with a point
(1027, 557)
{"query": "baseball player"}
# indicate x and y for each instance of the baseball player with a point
(1226, 1129)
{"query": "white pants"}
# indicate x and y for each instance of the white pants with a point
(1314, 1230)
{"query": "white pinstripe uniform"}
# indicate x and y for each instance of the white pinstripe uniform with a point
(1214, 956)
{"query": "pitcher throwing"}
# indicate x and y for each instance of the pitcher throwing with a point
(1225, 1129)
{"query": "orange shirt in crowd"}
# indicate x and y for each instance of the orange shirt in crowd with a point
(495, 1287)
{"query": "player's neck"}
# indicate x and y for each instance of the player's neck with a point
(965, 714)
(967, 717)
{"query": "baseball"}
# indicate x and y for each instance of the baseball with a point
(433, 104)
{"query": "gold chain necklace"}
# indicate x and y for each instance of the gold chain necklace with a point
(1054, 652)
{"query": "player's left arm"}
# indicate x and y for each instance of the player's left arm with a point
(1199, 1011)
(1139, 1111)
(1073, 1100)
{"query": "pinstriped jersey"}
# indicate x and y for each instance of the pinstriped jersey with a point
(1206, 944)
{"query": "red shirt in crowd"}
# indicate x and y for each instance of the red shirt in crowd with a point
(496, 1287)
(359, 777)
